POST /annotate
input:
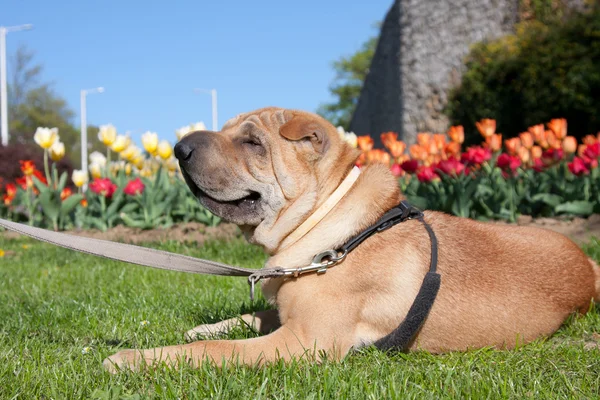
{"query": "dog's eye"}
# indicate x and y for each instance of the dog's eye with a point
(251, 142)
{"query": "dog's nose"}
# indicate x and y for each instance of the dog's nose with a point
(183, 151)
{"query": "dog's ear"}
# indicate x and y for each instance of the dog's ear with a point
(301, 127)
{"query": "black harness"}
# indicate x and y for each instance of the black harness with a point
(401, 337)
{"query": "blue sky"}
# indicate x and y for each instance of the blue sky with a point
(149, 55)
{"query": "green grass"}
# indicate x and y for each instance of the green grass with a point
(54, 303)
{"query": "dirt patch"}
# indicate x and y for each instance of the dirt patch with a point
(191, 233)
(580, 230)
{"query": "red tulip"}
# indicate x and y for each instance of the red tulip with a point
(426, 174)
(451, 166)
(578, 167)
(396, 170)
(476, 155)
(410, 166)
(134, 187)
(103, 186)
(508, 162)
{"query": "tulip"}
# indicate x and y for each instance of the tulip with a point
(423, 139)
(589, 139)
(11, 193)
(98, 158)
(451, 166)
(559, 127)
(107, 134)
(410, 166)
(526, 139)
(457, 134)
(452, 149)
(538, 133)
(150, 142)
(96, 170)
(378, 156)
(551, 156)
(57, 151)
(552, 140)
(351, 139)
(198, 126)
(524, 155)
(121, 143)
(84, 203)
(388, 138)
(27, 167)
(131, 153)
(426, 174)
(592, 151)
(569, 145)
(103, 187)
(146, 172)
(508, 162)
(578, 167)
(396, 148)
(65, 193)
(182, 132)
(45, 137)
(396, 170)
(512, 145)
(172, 164)
(440, 141)
(79, 177)
(418, 152)
(486, 127)
(476, 155)
(365, 143)
(164, 150)
(128, 169)
(134, 187)
(494, 142)
(536, 152)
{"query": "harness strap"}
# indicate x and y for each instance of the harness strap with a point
(401, 337)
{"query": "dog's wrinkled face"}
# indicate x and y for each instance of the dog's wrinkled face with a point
(261, 163)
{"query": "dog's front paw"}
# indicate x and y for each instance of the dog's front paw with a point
(124, 360)
(207, 331)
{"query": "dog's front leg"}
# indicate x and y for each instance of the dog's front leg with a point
(285, 343)
(261, 321)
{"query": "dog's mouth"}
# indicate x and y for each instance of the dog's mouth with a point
(240, 211)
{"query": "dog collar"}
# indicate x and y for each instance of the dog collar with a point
(323, 210)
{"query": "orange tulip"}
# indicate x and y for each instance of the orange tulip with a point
(402, 158)
(494, 142)
(378, 156)
(365, 143)
(361, 160)
(440, 141)
(396, 148)
(512, 146)
(84, 203)
(536, 152)
(457, 134)
(66, 192)
(27, 167)
(538, 133)
(553, 141)
(388, 137)
(418, 152)
(526, 139)
(424, 138)
(486, 127)
(559, 127)
(524, 155)
(452, 149)
(569, 145)
(589, 139)
(581, 149)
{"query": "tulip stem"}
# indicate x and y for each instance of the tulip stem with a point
(107, 172)
(46, 169)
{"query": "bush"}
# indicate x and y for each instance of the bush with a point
(9, 161)
(543, 71)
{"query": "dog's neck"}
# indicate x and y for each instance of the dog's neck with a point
(321, 212)
(374, 192)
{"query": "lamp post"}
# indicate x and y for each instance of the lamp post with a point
(3, 87)
(213, 94)
(84, 140)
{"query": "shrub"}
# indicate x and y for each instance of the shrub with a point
(541, 72)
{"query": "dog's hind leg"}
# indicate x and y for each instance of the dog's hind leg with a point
(261, 321)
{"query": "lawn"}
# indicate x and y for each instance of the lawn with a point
(62, 313)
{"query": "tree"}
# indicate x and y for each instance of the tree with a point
(351, 72)
(33, 103)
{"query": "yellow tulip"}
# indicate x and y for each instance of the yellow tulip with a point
(150, 142)
(96, 170)
(172, 164)
(138, 161)
(79, 177)
(131, 153)
(107, 134)
(164, 150)
(120, 143)
(45, 137)
(128, 169)
(181, 132)
(57, 151)
(146, 173)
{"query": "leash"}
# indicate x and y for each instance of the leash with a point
(399, 339)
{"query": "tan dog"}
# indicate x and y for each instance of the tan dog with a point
(269, 170)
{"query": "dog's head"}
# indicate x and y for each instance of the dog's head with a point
(264, 164)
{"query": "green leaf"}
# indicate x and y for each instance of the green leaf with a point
(50, 204)
(70, 203)
(552, 200)
(62, 181)
(575, 207)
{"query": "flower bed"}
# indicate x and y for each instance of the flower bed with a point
(542, 172)
(141, 190)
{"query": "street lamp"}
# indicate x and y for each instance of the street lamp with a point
(213, 94)
(84, 141)
(3, 87)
